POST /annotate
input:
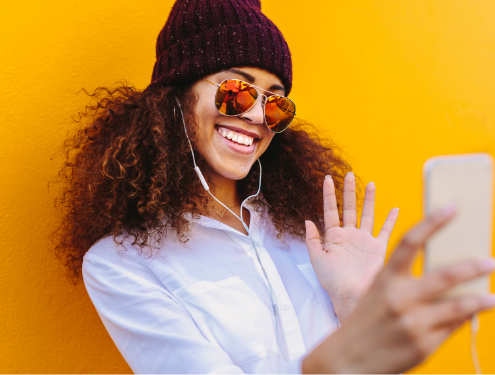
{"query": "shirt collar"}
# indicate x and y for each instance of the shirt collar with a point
(213, 223)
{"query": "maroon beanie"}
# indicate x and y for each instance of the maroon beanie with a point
(202, 37)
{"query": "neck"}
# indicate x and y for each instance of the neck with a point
(225, 190)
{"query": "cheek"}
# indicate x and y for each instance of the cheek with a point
(205, 114)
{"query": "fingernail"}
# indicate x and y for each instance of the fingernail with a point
(351, 173)
(487, 264)
(328, 176)
(371, 183)
(488, 300)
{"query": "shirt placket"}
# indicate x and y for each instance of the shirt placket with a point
(287, 317)
(289, 329)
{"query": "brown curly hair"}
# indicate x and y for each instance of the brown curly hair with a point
(128, 170)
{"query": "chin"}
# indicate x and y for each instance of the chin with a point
(235, 175)
(234, 170)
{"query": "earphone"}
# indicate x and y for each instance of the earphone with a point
(256, 251)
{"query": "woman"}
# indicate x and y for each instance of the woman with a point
(186, 206)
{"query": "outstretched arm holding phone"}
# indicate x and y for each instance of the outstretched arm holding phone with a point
(400, 316)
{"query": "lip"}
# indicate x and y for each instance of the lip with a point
(246, 150)
(239, 130)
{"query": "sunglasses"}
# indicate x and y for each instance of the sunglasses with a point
(235, 97)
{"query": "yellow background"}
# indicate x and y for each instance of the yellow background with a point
(393, 81)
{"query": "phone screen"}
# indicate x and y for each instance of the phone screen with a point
(467, 181)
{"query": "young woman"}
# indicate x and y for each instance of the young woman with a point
(194, 213)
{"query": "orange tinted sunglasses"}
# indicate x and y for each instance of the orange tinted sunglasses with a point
(235, 97)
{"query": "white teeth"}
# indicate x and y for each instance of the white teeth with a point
(243, 140)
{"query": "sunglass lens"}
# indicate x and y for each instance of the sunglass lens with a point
(279, 113)
(235, 97)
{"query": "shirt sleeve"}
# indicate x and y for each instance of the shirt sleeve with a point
(152, 330)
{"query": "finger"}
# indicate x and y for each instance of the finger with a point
(388, 226)
(313, 240)
(402, 258)
(349, 211)
(368, 214)
(433, 284)
(453, 311)
(330, 208)
(437, 336)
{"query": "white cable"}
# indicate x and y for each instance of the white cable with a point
(475, 325)
(256, 251)
(187, 136)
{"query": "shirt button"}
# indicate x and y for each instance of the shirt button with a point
(285, 306)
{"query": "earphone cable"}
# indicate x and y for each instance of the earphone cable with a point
(475, 325)
(256, 251)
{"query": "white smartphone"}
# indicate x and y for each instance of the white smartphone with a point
(467, 181)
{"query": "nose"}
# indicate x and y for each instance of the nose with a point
(255, 115)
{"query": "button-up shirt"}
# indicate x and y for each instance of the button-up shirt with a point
(204, 306)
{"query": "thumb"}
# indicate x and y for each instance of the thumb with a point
(313, 240)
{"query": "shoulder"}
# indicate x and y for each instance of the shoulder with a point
(111, 244)
(118, 256)
(110, 249)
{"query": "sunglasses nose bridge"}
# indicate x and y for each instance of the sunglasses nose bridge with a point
(256, 114)
(263, 98)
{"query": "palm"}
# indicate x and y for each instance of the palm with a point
(350, 257)
(350, 261)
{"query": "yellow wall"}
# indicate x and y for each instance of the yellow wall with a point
(393, 81)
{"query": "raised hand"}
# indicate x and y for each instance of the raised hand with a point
(401, 319)
(350, 257)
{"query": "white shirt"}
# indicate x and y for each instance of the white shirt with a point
(204, 306)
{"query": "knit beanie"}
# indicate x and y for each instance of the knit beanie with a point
(202, 37)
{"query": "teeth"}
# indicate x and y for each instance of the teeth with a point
(241, 139)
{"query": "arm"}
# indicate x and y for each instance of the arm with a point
(400, 320)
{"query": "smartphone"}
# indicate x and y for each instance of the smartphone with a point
(467, 181)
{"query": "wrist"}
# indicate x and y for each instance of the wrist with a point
(330, 357)
(310, 365)
(344, 308)
(319, 361)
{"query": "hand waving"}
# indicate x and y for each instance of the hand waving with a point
(401, 319)
(350, 257)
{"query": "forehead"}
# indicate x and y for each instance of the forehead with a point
(256, 76)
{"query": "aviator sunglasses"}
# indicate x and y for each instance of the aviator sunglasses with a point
(235, 97)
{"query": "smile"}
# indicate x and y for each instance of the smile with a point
(236, 137)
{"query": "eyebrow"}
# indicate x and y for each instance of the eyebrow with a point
(248, 77)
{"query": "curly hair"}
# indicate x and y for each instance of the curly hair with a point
(128, 170)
